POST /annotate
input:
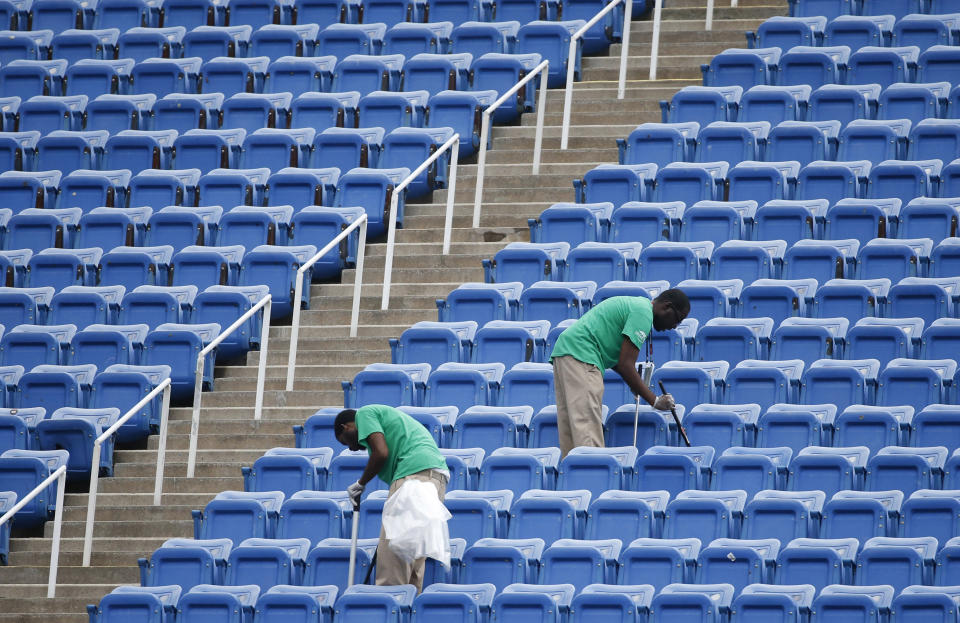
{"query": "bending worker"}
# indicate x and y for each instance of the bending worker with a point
(400, 449)
(610, 335)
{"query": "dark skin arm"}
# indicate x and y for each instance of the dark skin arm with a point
(379, 453)
(626, 367)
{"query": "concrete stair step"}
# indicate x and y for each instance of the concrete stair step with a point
(61, 606)
(124, 574)
(197, 484)
(38, 590)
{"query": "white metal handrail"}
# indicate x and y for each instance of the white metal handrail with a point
(60, 475)
(655, 39)
(709, 22)
(164, 387)
(361, 222)
(541, 105)
(571, 61)
(266, 304)
(453, 145)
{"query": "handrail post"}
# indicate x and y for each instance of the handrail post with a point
(543, 67)
(625, 48)
(541, 113)
(164, 386)
(60, 475)
(451, 197)
(568, 89)
(195, 417)
(262, 365)
(57, 529)
(709, 23)
(162, 446)
(361, 222)
(394, 202)
(655, 39)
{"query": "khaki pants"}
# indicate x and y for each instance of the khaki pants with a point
(391, 570)
(579, 390)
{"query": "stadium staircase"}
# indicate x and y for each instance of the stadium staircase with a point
(129, 527)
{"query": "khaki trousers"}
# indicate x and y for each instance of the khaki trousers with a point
(391, 570)
(579, 390)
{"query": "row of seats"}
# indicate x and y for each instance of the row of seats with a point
(913, 297)
(53, 270)
(515, 603)
(898, 8)
(854, 31)
(369, 190)
(266, 150)
(626, 515)
(830, 102)
(744, 260)
(890, 561)
(59, 16)
(700, 339)
(356, 73)
(875, 140)
(674, 469)
(690, 182)
(816, 66)
(719, 426)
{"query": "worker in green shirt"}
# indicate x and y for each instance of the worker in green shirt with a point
(608, 336)
(400, 448)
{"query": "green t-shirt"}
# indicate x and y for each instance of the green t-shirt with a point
(411, 447)
(597, 336)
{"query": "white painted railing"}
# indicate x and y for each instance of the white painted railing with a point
(709, 22)
(164, 387)
(361, 222)
(60, 475)
(452, 145)
(571, 58)
(655, 39)
(266, 304)
(541, 104)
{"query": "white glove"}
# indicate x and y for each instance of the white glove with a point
(664, 402)
(355, 491)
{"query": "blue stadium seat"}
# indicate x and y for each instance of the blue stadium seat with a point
(175, 345)
(479, 514)
(844, 103)
(939, 338)
(783, 515)
(162, 76)
(598, 469)
(844, 383)
(693, 382)
(928, 299)
(809, 339)
(206, 150)
(931, 513)
(733, 339)
(327, 563)
(947, 563)
(342, 40)
(155, 305)
(931, 218)
(404, 382)
(836, 602)
(18, 150)
(142, 42)
(819, 562)
(286, 42)
(481, 302)
(186, 562)
(748, 260)
(179, 12)
(363, 73)
(115, 113)
(652, 426)
(922, 603)
(181, 227)
(29, 78)
(603, 262)
(857, 31)
(763, 181)
(408, 147)
(527, 383)
(302, 188)
(459, 110)
(836, 259)
(233, 187)
(385, 604)
(659, 143)
(626, 515)
(722, 426)
(765, 602)
(659, 562)
(411, 39)
(390, 110)
(615, 183)
(852, 298)
(19, 45)
(130, 266)
(774, 104)
(527, 262)
(828, 469)
(787, 32)
(580, 562)
(260, 13)
(183, 111)
(464, 466)
(74, 430)
(300, 76)
(87, 189)
(936, 139)
(937, 63)
(13, 267)
(627, 603)
(814, 66)
(884, 339)
(717, 221)
(873, 427)
(267, 562)
(105, 345)
(896, 259)
(706, 515)
(552, 40)
(926, 381)
(230, 75)
(873, 140)
(550, 515)
(30, 190)
(59, 268)
(690, 182)
(518, 469)
(834, 181)
(61, 15)
(436, 73)
(904, 179)
(764, 382)
(275, 266)
(883, 66)
(289, 470)
(317, 430)
(253, 111)
(830, 8)
(18, 431)
(123, 387)
(572, 222)
(897, 562)
(709, 603)
(803, 141)
(742, 67)
(862, 514)
(465, 384)
(710, 299)
(674, 469)
(373, 191)
(752, 469)
(137, 150)
(434, 343)
(42, 229)
(915, 102)
(290, 602)
(154, 604)
(22, 471)
(238, 515)
(470, 603)
(251, 226)
(502, 561)
(315, 515)
(500, 72)
(738, 562)
(479, 38)
(675, 261)
(224, 305)
(702, 105)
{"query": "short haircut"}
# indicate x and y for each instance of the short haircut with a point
(343, 418)
(677, 299)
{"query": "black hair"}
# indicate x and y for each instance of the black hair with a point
(677, 299)
(343, 418)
